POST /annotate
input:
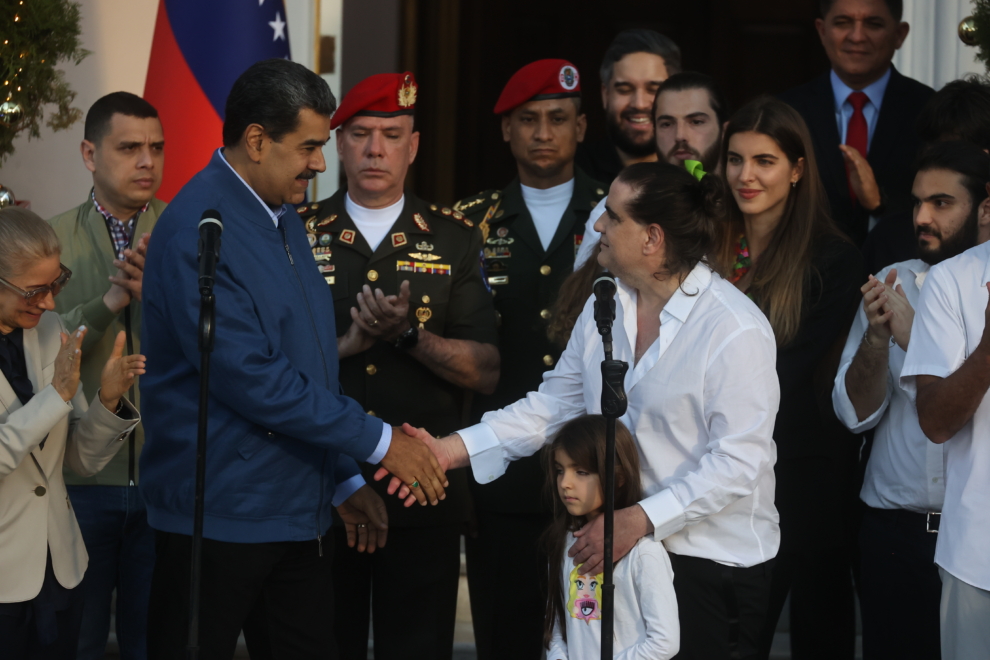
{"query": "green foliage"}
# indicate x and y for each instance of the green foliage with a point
(981, 19)
(35, 36)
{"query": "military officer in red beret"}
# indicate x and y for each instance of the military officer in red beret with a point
(533, 228)
(416, 332)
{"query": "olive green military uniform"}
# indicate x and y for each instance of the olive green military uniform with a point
(512, 511)
(439, 252)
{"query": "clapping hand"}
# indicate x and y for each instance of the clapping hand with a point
(861, 178)
(380, 316)
(130, 273)
(118, 373)
(365, 519)
(888, 311)
(66, 377)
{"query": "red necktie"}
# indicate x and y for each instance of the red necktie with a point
(857, 133)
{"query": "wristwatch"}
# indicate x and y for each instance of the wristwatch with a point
(408, 339)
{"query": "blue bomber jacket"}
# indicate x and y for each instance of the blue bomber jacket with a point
(281, 434)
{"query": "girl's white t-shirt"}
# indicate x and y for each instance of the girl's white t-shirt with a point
(646, 624)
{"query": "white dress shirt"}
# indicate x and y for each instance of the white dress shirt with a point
(702, 405)
(948, 325)
(591, 236)
(645, 606)
(905, 470)
(546, 207)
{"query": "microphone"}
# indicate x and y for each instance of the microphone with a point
(210, 229)
(604, 288)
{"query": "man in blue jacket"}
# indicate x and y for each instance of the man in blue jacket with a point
(283, 441)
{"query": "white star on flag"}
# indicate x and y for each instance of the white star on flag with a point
(279, 26)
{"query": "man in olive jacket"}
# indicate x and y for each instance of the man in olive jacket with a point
(103, 243)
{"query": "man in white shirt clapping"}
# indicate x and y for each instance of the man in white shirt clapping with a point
(904, 485)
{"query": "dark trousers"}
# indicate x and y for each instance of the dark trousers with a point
(818, 519)
(291, 579)
(721, 608)
(121, 549)
(19, 639)
(409, 587)
(900, 589)
(510, 542)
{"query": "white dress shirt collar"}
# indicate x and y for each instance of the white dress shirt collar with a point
(275, 213)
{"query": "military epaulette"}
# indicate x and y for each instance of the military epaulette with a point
(478, 203)
(598, 193)
(451, 214)
(307, 210)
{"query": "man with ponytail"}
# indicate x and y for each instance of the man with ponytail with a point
(703, 395)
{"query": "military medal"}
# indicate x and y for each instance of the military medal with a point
(347, 236)
(399, 239)
(423, 315)
(422, 267)
(425, 257)
(325, 239)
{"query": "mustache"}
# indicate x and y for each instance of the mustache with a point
(308, 174)
(931, 231)
(681, 145)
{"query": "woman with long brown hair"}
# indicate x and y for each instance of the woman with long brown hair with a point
(783, 250)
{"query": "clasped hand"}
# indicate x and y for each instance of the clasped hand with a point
(414, 466)
(888, 311)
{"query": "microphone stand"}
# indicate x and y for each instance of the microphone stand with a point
(614, 404)
(207, 318)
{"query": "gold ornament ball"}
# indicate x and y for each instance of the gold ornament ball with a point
(10, 112)
(967, 31)
(6, 197)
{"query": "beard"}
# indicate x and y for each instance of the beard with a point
(628, 143)
(962, 240)
(709, 159)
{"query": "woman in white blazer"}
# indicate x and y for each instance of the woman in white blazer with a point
(45, 421)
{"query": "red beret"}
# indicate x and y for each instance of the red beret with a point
(381, 95)
(543, 79)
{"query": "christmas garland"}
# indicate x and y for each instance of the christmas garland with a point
(35, 36)
(981, 23)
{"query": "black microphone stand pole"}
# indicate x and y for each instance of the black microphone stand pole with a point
(206, 332)
(613, 407)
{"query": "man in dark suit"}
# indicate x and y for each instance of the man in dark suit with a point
(862, 113)
(533, 228)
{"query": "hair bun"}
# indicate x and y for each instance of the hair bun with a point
(712, 190)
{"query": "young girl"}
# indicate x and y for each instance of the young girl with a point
(646, 624)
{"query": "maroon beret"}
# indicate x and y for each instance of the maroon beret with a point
(543, 79)
(381, 95)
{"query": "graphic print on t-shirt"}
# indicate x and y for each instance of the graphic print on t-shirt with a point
(584, 596)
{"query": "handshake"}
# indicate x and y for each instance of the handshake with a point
(418, 463)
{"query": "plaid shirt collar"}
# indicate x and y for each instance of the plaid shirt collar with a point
(120, 230)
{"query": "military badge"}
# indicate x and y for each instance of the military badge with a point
(423, 315)
(568, 77)
(500, 241)
(325, 221)
(420, 222)
(325, 239)
(399, 239)
(321, 253)
(502, 232)
(485, 228)
(498, 279)
(326, 268)
(312, 239)
(422, 267)
(424, 246)
(425, 257)
(407, 93)
(347, 236)
(446, 211)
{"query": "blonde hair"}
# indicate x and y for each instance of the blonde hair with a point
(24, 238)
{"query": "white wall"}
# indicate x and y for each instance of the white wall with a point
(933, 53)
(49, 171)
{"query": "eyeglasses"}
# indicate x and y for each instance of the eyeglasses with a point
(54, 288)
